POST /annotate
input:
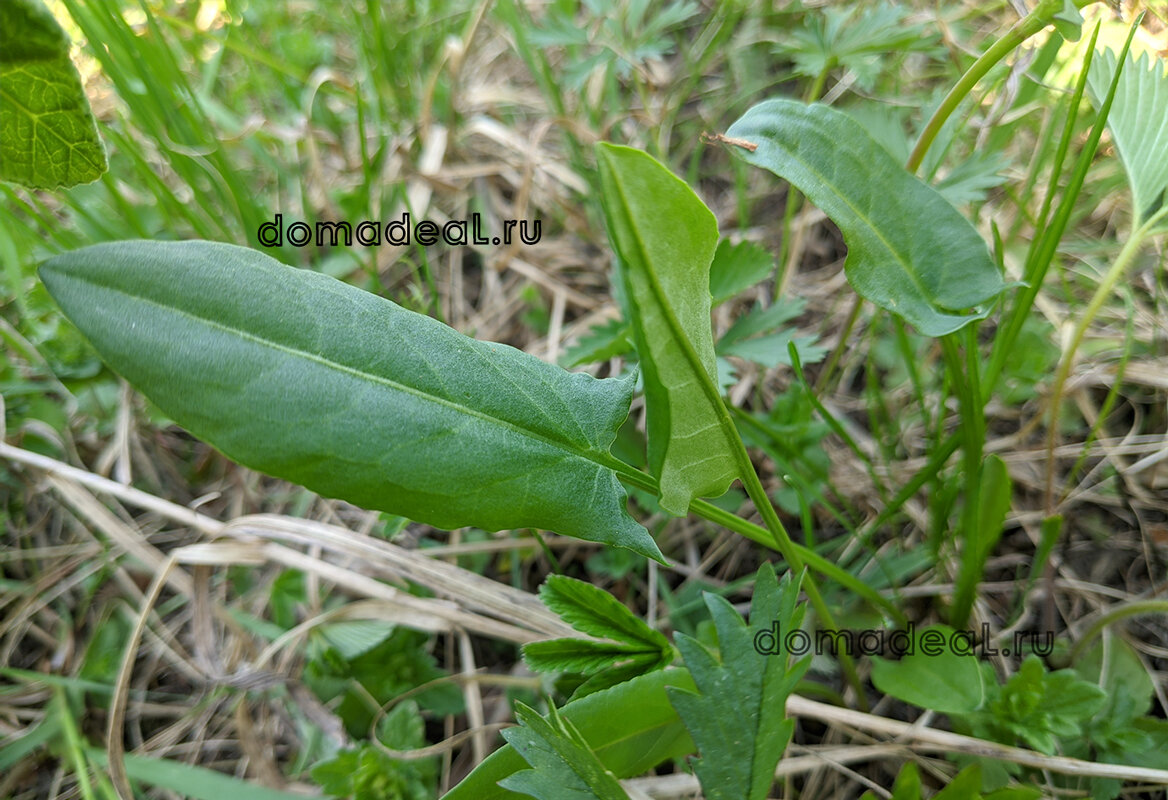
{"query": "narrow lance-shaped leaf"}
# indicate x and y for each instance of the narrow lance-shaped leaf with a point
(48, 138)
(909, 251)
(737, 717)
(665, 238)
(307, 378)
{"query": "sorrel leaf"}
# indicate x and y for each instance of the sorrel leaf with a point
(665, 238)
(307, 378)
(48, 138)
(909, 251)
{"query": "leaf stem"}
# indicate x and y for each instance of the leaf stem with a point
(1102, 292)
(1026, 27)
(756, 533)
(1135, 609)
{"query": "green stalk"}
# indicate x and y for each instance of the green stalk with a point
(1126, 255)
(973, 440)
(1042, 248)
(762, 502)
(1138, 608)
(756, 533)
(1032, 23)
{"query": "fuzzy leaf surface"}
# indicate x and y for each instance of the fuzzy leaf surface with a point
(48, 138)
(304, 377)
(909, 251)
(666, 238)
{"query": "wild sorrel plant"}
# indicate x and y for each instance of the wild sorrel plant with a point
(307, 378)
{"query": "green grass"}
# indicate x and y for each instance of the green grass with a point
(217, 116)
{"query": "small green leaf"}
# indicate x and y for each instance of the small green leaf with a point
(1069, 22)
(1138, 122)
(636, 648)
(577, 655)
(563, 765)
(966, 785)
(932, 675)
(601, 343)
(758, 336)
(737, 267)
(48, 138)
(737, 716)
(908, 783)
(909, 251)
(666, 237)
(589, 609)
(1130, 691)
(353, 637)
(631, 727)
(309, 379)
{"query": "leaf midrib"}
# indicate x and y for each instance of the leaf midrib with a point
(691, 356)
(862, 217)
(598, 458)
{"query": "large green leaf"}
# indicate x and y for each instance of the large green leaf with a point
(1138, 122)
(631, 728)
(307, 378)
(909, 251)
(665, 238)
(737, 716)
(47, 134)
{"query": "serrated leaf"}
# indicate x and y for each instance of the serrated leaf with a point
(589, 609)
(969, 180)
(631, 727)
(737, 715)
(563, 766)
(601, 343)
(757, 336)
(909, 251)
(853, 39)
(578, 655)
(48, 138)
(309, 379)
(626, 671)
(737, 267)
(932, 675)
(666, 237)
(1138, 122)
